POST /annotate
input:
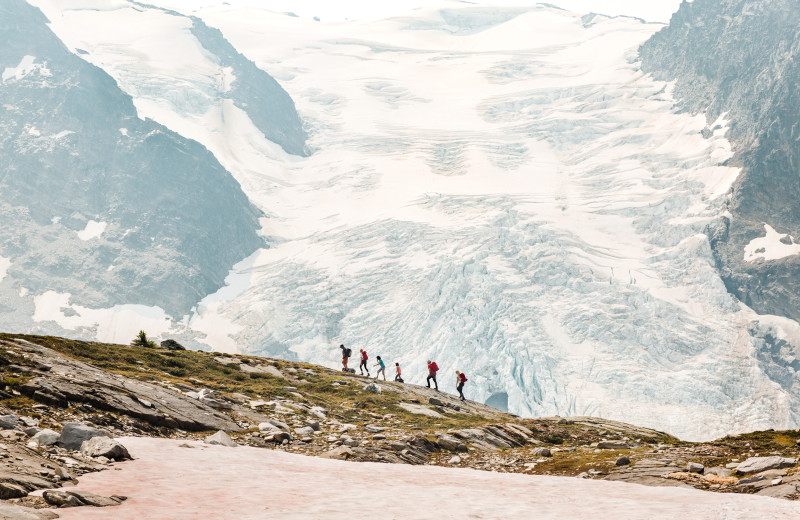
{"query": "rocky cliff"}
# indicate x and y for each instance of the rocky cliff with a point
(99, 203)
(736, 61)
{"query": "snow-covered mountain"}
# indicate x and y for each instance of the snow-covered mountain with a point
(500, 189)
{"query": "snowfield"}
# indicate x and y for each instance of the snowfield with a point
(175, 480)
(498, 189)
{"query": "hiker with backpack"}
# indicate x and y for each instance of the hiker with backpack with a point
(432, 369)
(346, 352)
(398, 377)
(460, 380)
(363, 366)
(381, 370)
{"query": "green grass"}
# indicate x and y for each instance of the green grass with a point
(199, 369)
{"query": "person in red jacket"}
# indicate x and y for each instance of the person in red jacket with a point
(399, 376)
(460, 380)
(363, 366)
(432, 369)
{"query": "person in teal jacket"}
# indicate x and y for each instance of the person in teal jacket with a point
(381, 370)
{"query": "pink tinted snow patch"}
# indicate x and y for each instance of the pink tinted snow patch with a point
(169, 482)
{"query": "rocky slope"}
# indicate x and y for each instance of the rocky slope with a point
(62, 386)
(736, 61)
(107, 207)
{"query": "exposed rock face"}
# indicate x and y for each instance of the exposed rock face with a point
(106, 206)
(15, 512)
(70, 381)
(171, 344)
(739, 59)
(759, 464)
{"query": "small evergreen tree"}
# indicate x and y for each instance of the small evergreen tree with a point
(142, 341)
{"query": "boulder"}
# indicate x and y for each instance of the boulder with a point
(318, 412)
(454, 460)
(221, 439)
(268, 427)
(73, 435)
(695, 467)
(304, 431)
(350, 441)
(76, 498)
(8, 422)
(374, 429)
(419, 409)
(279, 436)
(785, 491)
(373, 387)
(61, 499)
(29, 422)
(450, 443)
(436, 402)
(613, 445)
(716, 470)
(623, 461)
(339, 453)
(104, 447)
(90, 499)
(10, 490)
(759, 464)
(45, 437)
(541, 452)
(171, 344)
(282, 425)
(31, 431)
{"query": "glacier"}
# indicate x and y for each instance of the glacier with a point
(499, 189)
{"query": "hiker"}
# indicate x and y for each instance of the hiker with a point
(460, 380)
(345, 356)
(363, 366)
(432, 369)
(398, 377)
(381, 370)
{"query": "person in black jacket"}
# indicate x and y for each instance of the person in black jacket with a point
(345, 356)
(460, 380)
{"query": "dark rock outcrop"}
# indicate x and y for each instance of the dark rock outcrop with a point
(171, 344)
(71, 381)
(169, 221)
(739, 58)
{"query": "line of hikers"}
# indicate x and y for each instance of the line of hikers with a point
(433, 368)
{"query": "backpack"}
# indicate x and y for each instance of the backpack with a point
(434, 367)
(364, 355)
(347, 352)
(463, 377)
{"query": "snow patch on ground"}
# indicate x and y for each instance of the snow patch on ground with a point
(92, 230)
(26, 67)
(770, 247)
(118, 324)
(187, 480)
